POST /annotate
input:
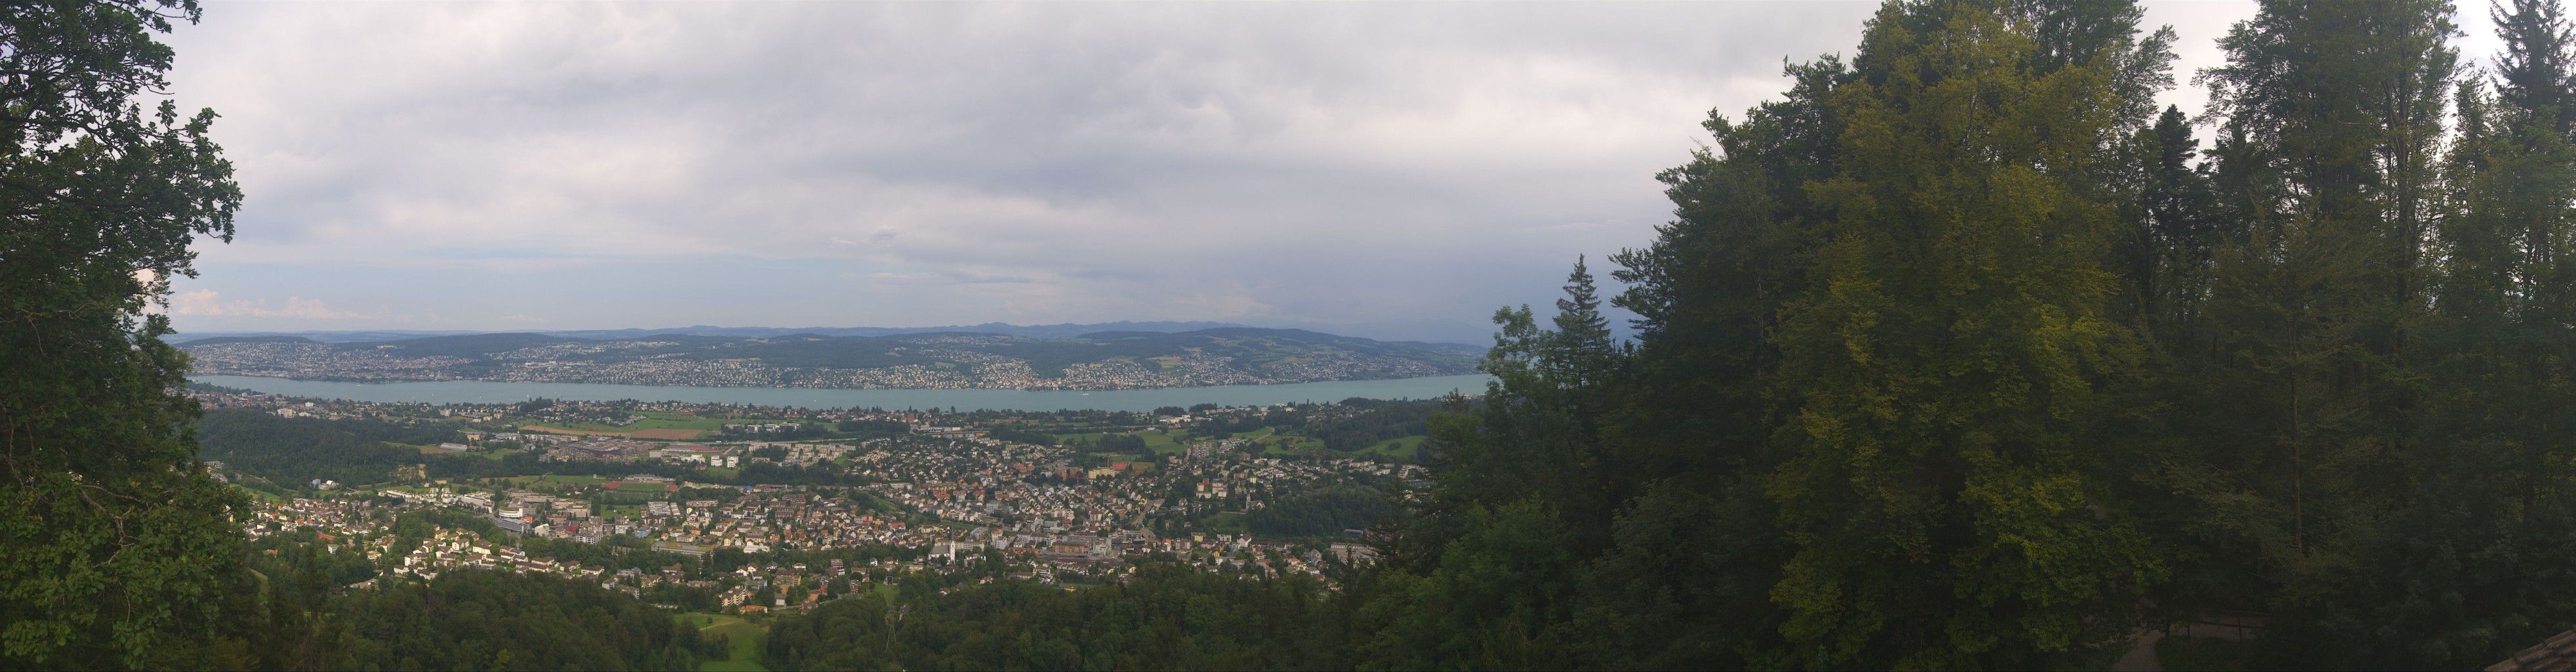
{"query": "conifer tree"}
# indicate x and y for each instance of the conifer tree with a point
(2333, 112)
(2469, 558)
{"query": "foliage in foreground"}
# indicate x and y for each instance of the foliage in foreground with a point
(1959, 355)
(115, 551)
(1164, 617)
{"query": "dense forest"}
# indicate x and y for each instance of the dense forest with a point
(1164, 617)
(1957, 354)
(1378, 420)
(293, 451)
(507, 621)
(1960, 354)
(1325, 513)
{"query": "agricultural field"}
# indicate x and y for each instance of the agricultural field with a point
(743, 639)
(1403, 447)
(424, 450)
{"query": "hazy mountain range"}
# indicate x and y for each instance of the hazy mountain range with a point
(1031, 359)
(1067, 330)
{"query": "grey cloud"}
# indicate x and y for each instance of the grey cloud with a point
(1303, 163)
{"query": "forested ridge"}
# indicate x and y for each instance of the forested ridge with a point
(293, 451)
(1957, 354)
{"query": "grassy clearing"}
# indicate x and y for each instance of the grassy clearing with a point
(424, 449)
(1404, 447)
(1227, 522)
(262, 496)
(1291, 445)
(743, 640)
(1271, 442)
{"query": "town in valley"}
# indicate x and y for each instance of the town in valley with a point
(713, 507)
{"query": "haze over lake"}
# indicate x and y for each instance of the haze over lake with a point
(483, 392)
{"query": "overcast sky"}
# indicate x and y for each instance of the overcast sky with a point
(1382, 170)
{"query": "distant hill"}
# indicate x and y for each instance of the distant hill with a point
(315, 336)
(1068, 330)
(1129, 356)
(217, 340)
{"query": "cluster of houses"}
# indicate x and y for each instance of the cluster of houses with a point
(954, 497)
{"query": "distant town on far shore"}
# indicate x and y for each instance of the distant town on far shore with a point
(1113, 356)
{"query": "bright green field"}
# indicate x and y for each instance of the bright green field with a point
(424, 450)
(1268, 441)
(262, 496)
(1227, 522)
(1405, 447)
(744, 639)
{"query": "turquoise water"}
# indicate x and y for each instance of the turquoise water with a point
(481, 392)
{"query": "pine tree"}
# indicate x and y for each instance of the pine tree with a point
(2538, 66)
(1485, 576)
(2470, 558)
(2169, 267)
(2297, 447)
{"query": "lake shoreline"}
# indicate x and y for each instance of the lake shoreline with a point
(1143, 399)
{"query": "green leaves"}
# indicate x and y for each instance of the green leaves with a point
(1946, 494)
(115, 545)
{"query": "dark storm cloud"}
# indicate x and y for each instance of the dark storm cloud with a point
(1396, 168)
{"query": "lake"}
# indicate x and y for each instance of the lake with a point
(482, 392)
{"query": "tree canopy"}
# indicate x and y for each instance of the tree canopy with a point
(113, 545)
